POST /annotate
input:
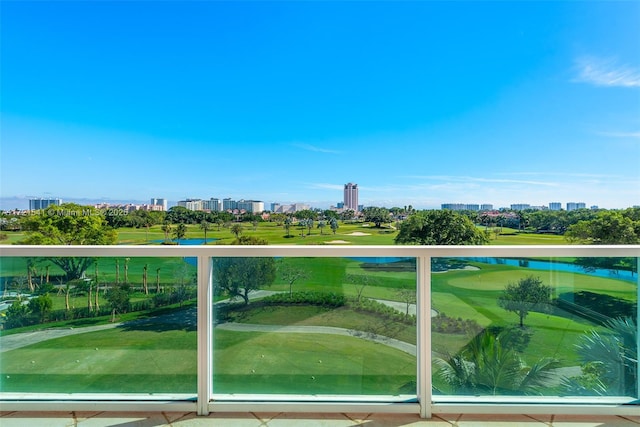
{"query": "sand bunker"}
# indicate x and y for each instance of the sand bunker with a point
(358, 233)
(337, 242)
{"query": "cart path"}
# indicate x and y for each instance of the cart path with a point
(12, 342)
(380, 339)
(189, 316)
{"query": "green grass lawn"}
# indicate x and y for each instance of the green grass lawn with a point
(249, 362)
(474, 294)
(114, 360)
(164, 361)
(321, 316)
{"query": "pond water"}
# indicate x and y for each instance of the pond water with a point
(558, 266)
(379, 260)
(188, 242)
(524, 263)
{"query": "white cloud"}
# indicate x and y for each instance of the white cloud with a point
(606, 72)
(471, 179)
(620, 134)
(324, 186)
(310, 147)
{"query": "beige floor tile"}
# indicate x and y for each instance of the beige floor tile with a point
(308, 420)
(218, 419)
(492, 420)
(129, 419)
(40, 419)
(399, 420)
(591, 421)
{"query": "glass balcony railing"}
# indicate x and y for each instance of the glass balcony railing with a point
(387, 329)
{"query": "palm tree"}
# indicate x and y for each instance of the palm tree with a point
(205, 226)
(145, 286)
(126, 270)
(321, 225)
(167, 228)
(236, 229)
(610, 360)
(333, 223)
(287, 225)
(180, 232)
(490, 365)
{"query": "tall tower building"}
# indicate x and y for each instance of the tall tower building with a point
(351, 196)
(159, 202)
(36, 204)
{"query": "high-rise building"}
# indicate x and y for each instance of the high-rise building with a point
(212, 205)
(555, 206)
(229, 204)
(159, 202)
(36, 204)
(351, 196)
(191, 204)
(453, 206)
(486, 207)
(572, 206)
(253, 206)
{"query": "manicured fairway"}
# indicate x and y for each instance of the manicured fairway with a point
(249, 362)
(473, 295)
(114, 360)
(164, 361)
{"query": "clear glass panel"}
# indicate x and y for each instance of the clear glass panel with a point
(339, 326)
(98, 325)
(551, 327)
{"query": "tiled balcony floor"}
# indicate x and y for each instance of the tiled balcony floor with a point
(179, 419)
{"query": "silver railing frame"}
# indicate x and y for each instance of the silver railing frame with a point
(206, 402)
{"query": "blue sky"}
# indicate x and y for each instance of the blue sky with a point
(417, 102)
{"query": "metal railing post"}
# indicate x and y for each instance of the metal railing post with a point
(423, 319)
(205, 330)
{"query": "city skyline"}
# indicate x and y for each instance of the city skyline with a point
(420, 103)
(223, 204)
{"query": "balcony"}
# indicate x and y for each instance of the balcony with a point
(395, 331)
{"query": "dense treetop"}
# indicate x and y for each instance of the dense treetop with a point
(441, 227)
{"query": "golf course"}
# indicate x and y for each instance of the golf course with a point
(337, 326)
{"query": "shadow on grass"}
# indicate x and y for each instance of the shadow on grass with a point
(175, 320)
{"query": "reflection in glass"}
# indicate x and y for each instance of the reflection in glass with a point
(317, 326)
(98, 325)
(551, 327)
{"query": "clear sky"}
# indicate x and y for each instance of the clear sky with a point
(418, 102)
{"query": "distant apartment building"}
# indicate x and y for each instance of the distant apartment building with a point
(159, 202)
(453, 206)
(555, 206)
(191, 204)
(229, 204)
(252, 206)
(37, 204)
(520, 206)
(128, 207)
(572, 206)
(486, 207)
(212, 205)
(461, 206)
(351, 196)
(292, 208)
